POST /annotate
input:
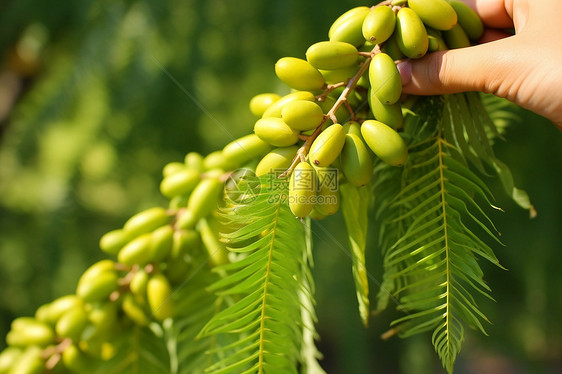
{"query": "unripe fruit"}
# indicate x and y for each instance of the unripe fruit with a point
(328, 195)
(327, 146)
(259, 103)
(385, 79)
(77, 361)
(352, 127)
(276, 132)
(205, 197)
(468, 19)
(72, 323)
(299, 74)
(216, 160)
(392, 49)
(302, 190)
(341, 114)
(184, 242)
(98, 288)
(339, 75)
(29, 362)
(275, 109)
(302, 115)
(435, 13)
(276, 160)
(182, 182)
(136, 251)
(8, 358)
(244, 149)
(347, 28)
(411, 35)
(103, 318)
(159, 294)
(389, 114)
(98, 268)
(209, 231)
(379, 24)
(27, 331)
(456, 38)
(436, 36)
(332, 55)
(161, 241)
(314, 214)
(386, 143)
(194, 160)
(172, 167)
(60, 306)
(146, 221)
(138, 283)
(356, 162)
(112, 241)
(134, 310)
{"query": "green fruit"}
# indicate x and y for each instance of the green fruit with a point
(456, 38)
(216, 160)
(275, 109)
(159, 295)
(379, 24)
(72, 323)
(277, 160)
(8, 358)
(339, 75)
(302, 115)
(29, 362)
(185, 241)
(328, 195)
(97, 288)
(112, 241)
(341, 114)
(276, 132)
(347, 28)
(435, 13)
(27, 331)
(137, 251)
(172, 167)
(332, 55)
(385, 79)
(194, 160)
(436, 37)
(314, 214)
(299, 74)
(60, 306)
(146, 221)
(389, 114)
(327, 146)
(209, 231)
(386, 143)
(468, 19)
(302, 190)
(77, 361)
(186, 220)
(103, 317)
(182, 182)
(161, 241)
(244, 149)
(134, 310)
(356, 162)
(205, 198)
(411, 35)
(392, 49)
(138, 283)
(352, 127)
(259, 103)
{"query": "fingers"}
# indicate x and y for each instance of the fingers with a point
(494, 13)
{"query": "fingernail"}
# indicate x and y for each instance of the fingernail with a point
(405, 70)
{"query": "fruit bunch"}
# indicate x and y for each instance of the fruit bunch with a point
(346, 107)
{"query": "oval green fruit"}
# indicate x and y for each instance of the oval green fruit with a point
(8, 358)
(161, 241)
(339, 75)
(138, 283)
(411, 34)
(60, 306)
(348, 27)
(146, 221)
(29, 362)
(302, 190)
(185, 241)
(435, 13)
(328, 195)
(468, 19)
(194, 160)
(276, 161)
(97, 288)
(299, 74)
(97, 268)
(260, 103)
(112, 241)
(172, 167)
(385, 142)
(159, 295)
(341, 114)
(134, 310)
(27, 331)
(352, 127)
(103, 317)
(77, 361)
(385, 79)
(72, 323)
(276, 132)
(327, 146)
(182, 182)
(244, 149)
(392, 49)
(456, 38)
(389, 114)
(137, 251)
(275, 109)
(379, 24)
(302, 115)
(356, 162)
(332, 55)
(436, 37)
(204, 199)
(216, 160)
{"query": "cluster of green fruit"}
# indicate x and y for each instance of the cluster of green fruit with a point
(351, 79)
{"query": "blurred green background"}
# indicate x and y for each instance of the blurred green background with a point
(96, 96)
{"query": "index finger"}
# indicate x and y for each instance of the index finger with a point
(492, 12)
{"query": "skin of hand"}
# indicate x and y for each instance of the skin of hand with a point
(525, 68)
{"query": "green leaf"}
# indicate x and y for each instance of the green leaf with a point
(355, 203)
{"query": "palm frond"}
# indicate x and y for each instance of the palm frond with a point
(268, 283)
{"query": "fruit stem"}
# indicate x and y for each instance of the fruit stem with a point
(342, 99)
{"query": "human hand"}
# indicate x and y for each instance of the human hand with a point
(525, 68)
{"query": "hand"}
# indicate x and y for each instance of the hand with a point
(525, 68)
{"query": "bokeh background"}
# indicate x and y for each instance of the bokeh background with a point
(96, 96)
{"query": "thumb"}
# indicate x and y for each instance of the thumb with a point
(477, 68)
